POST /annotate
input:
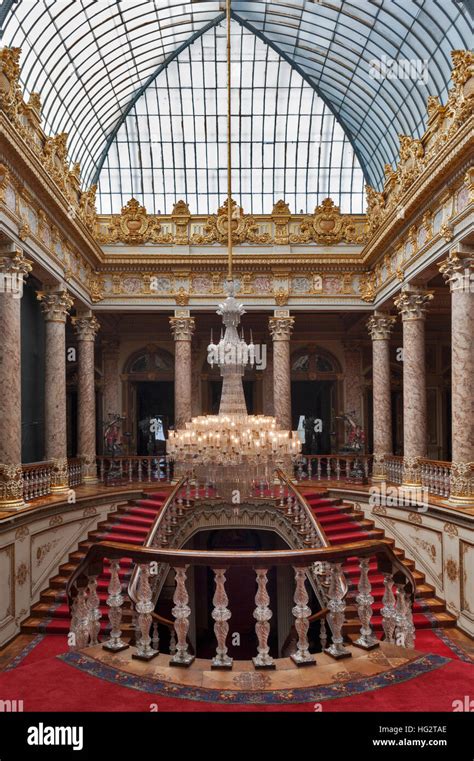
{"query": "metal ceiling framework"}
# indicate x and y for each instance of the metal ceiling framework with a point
(93, 60)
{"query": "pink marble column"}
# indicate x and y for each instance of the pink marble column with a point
(458, 271)
(56, 304)
(380, 326)
(280, 327)
(111, 393)
(182, 328)
(14, 268)
(86, 327)
(412, 304)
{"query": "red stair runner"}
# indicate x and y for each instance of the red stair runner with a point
(131, 526)
(341, 527)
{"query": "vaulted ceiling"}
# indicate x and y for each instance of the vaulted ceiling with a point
(91, 61)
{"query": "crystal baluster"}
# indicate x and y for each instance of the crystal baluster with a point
(81, 619)
(301, 612)
(310, 469)
(221, 615)
(388, 609)
(364, 601)
(262, 615)
(144, 608)
(410, 631)
(114, 603)
(338, 469)
(323, 637)
(93, 604)
(181, 613)
(336, 606)
(319, 469)
(155, 640)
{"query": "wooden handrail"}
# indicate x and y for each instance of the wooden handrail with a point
(97, 552)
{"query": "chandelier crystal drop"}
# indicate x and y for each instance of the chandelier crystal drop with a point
(233, 450)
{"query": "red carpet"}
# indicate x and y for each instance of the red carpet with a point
(50, 684)
(129, 527)
(341, 527)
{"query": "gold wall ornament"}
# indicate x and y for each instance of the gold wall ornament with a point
(281, 297)
(375, 208)
(96, 286)
(4, 181)
(327, 225)
(452, 569)
(281, 216)
(182, 297)
(180, 216)
(134, 226)
(367, 286)
(10, 94)
(244, 228)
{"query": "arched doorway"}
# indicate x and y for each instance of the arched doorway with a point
(148, 390)
(316, 388)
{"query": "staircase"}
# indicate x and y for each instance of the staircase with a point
(343, 524)
(131, 524)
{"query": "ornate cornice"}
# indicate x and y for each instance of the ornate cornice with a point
(380, 326)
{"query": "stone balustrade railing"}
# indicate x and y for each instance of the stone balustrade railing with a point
(37, 478)
(435, 476)
(128, 468)
(394, 469)
(86, 614)
(335, 467)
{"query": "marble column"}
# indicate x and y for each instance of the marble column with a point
(14, 268)
(458, 271)
(56, 304)
(86, 327)
(380, 326)
(111, 395)
(412, 304)
(182, 327)
(281, 326)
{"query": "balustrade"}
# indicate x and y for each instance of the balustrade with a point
(396, 609)
(130, 468)
(37, 480)
(331, 467)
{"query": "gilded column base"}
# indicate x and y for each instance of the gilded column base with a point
(11, 487)
(411, 473)
(59, 476)
(462, 484)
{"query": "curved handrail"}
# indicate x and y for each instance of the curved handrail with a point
(132, 585)
(319, 530)
(97, 552)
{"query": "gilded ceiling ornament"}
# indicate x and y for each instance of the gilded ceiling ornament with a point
(180, 216)
(328, 225)
(134, 226)
(367, 286)
(182, 297)
(10, 94)
(281, 297)
(244, 228)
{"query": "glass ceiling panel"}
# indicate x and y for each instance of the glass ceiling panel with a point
(285, 141)
(331, 43)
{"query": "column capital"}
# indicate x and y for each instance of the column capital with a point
(182, 328)
(458, 270)
(412, 303)
(86, 327)
(55, 304)
(380, 326)
(281, 327)
(15, 263)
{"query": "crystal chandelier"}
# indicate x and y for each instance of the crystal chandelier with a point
(233, 451)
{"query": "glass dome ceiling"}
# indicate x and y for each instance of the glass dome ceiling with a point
(285, 141)
(93, 60)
